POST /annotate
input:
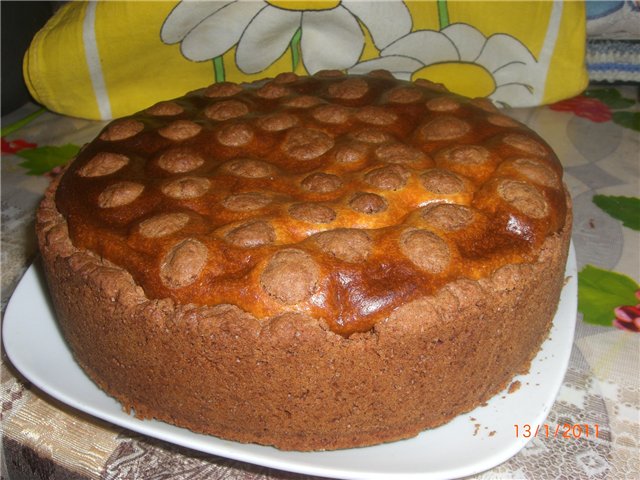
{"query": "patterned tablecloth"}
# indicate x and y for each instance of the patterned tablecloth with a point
(596, 137)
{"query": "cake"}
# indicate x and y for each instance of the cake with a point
(309, 262)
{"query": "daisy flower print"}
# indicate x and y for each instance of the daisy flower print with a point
(498, 67)
(321, 34)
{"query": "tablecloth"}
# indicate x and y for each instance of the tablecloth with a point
(596, 135)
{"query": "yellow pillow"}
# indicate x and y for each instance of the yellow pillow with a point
(102, 60)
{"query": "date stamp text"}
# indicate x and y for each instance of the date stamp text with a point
(562, 430)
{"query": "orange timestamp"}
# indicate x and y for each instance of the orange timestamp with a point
(561, 430)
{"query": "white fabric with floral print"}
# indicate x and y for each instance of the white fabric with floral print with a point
(331, 36)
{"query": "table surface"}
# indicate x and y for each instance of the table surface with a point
(596, 136)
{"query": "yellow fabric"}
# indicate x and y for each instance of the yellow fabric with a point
(55, 69)
(114, 58)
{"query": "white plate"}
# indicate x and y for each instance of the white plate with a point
(471, 443)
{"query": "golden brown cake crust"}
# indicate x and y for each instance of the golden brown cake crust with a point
(461, 237)
(238, 194)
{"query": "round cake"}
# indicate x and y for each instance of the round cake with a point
(312, 263)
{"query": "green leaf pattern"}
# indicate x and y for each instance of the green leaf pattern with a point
(41, 160)
(626, 209)
(600, 292)
(615, 101)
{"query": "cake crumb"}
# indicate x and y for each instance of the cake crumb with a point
(515, 386)
(477, 429)
(492, 433)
